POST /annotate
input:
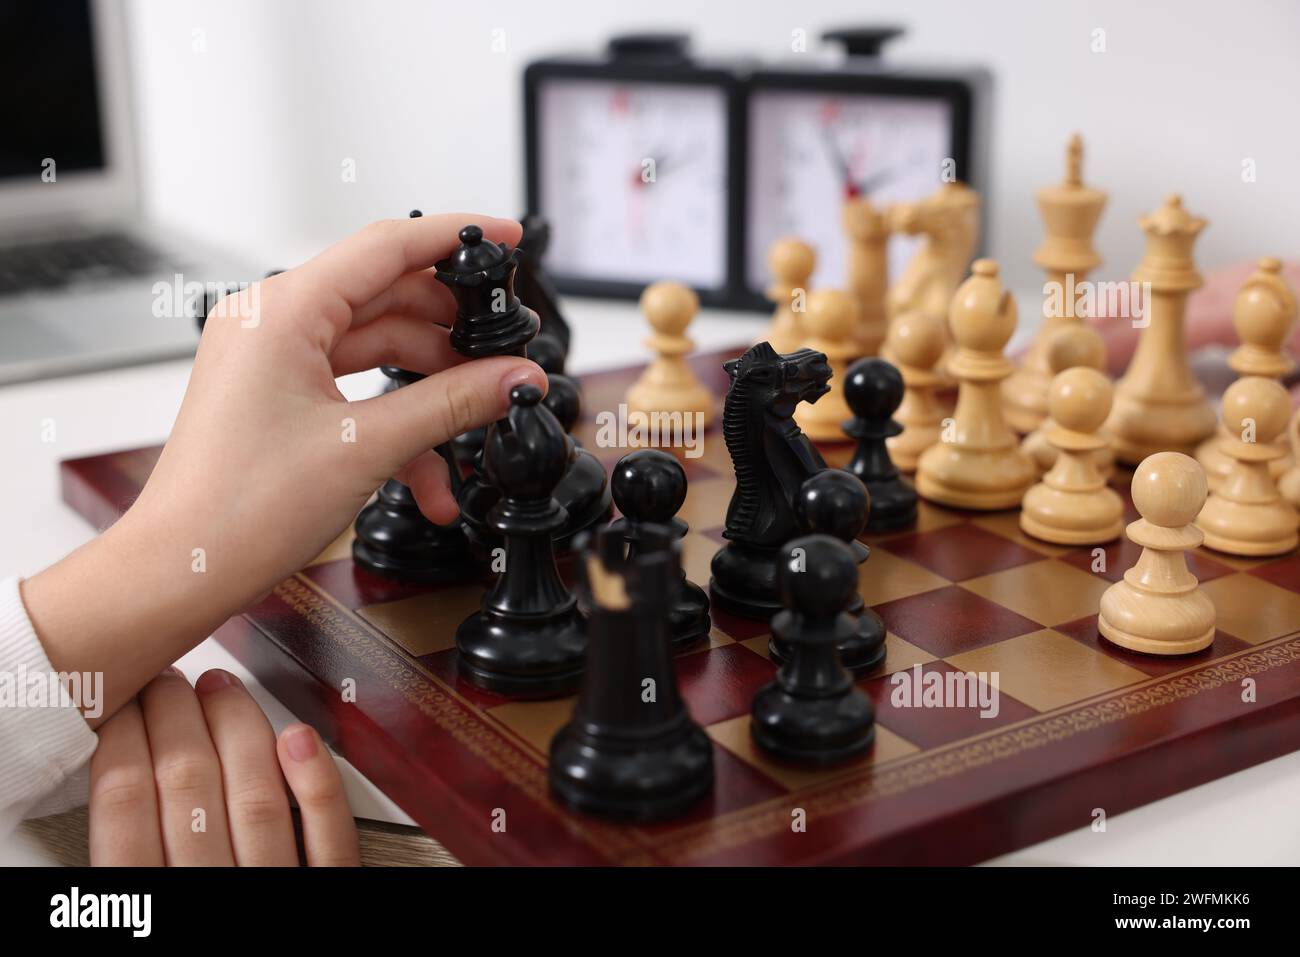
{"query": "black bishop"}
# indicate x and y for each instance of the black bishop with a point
(527, 641)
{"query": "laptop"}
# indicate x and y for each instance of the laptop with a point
(86, 283)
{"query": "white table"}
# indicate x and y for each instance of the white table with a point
(1246, 818)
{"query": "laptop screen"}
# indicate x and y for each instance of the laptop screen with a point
(49, 101)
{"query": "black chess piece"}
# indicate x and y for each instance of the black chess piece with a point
(812, 713)
(534, 286)
(547, 352)
(564, 399)
(631, 750)
(583, 492)
(835, 503)
(395, 540)
(649, 487)
(771, 457)
(490, 319)
(527, 641)
(873, 389)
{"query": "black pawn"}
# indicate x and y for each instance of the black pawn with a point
(527, 641)
(547, 352)
(873, 389)
(812, 713)
(649, 487)
(631, 750)
(564, 399)
(395, 540)
(835, 503)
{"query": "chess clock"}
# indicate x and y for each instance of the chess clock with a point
(650, 164)
(816, 134)
(633, 159)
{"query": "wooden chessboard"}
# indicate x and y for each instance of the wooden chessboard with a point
(1081, 724)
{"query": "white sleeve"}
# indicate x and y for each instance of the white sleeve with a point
(42, 741)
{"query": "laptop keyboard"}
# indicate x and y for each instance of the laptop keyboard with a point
(59, 263)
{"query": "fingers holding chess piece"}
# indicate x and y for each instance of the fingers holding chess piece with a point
(792, 262)
(829, 324)
(669, 386)
(1070, 346)
(1072, 505)
(980, 465)
(915, 344)
(1158, 607)
(1246, 514)
(812, 713)
(649, 488)
(874, 390)
(833, 502)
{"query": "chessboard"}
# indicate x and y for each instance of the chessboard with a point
(1081, 727)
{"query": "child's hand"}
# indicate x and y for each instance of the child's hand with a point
(195, 779)
(267, 462)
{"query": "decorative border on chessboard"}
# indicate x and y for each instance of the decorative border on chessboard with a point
(526, 771)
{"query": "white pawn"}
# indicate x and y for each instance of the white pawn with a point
(792, 262)
(1158, 608)
(1262, 315)
(829, 324)
(668, 386)
(915, 344)
(1246, 515)
(1075, 344)
(1072, 505)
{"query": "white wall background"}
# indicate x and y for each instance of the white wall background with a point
(245, 140)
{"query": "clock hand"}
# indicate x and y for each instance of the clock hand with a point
(839, 161)
(872, 183)
(659, 163)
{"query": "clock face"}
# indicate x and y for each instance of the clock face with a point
(806, 148)
(633, 178)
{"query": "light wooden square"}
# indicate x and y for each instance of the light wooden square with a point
(427, 623)
(336, 550)
(886, 577)
(535, 721)
(1048, 592)
(1046, 670)
(1007, 524)
(1252, 609)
